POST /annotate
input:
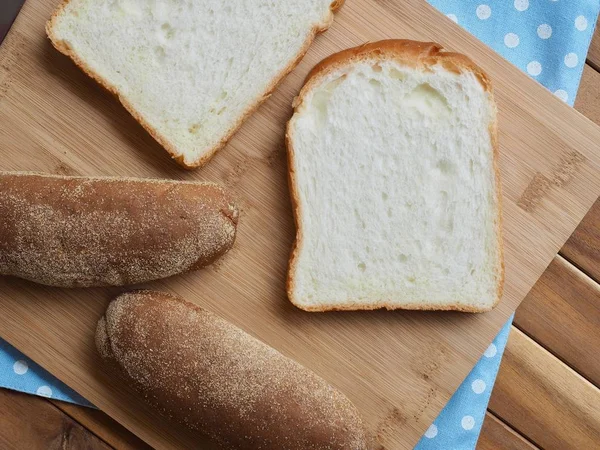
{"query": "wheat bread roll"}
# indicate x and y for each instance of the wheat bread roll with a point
(206, 373)
(84, 231)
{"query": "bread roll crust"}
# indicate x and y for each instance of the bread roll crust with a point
(204, 372)
(86, 231)
(422, 55)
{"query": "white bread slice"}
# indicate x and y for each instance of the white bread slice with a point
(394, 180)
(190, 71)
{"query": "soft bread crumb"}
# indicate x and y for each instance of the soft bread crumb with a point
(395, 184)
(189, 71)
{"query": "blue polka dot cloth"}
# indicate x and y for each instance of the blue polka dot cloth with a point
(19, 373)
(458, 425)
(547, 39)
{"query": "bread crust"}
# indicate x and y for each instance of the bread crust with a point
(92, 231)
(65, 49)
(211, 376)
(416, 54)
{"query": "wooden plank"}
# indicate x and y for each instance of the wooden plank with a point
(562, 314)
(594, 53)
(103, 426)
(588, 97)
(54, 119)
(583, 247)
(544, 399)
(497, 435)
(30, 422)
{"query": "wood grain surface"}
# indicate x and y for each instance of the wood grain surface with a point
(33, 423)
(583, 247)
(562, 314)
(107, 429)
(54, 119)
(594, 52)
(544, 399)
(497, 435)
(587, 101)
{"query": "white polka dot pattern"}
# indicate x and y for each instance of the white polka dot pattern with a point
(562, 94)
(458, 425)
(431, 432)
(19, 373)
(546, 39)
(544, 31)
(571, 60)
(534, 68)
(467, 422)
(44, 391)
(491, 351)
(478, 386)
(20, 367)
(521, 5)
(484, 12)
(581, 23)
(511, 40)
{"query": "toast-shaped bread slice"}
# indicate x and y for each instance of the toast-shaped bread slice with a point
(189, 71)
(394, 180)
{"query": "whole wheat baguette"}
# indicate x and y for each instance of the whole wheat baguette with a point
(204, 372)
(85, 231)
(395, 184)
(192, 71)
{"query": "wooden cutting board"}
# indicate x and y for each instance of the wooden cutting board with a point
(399, 368)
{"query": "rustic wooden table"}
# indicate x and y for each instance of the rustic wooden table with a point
(547, 393)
